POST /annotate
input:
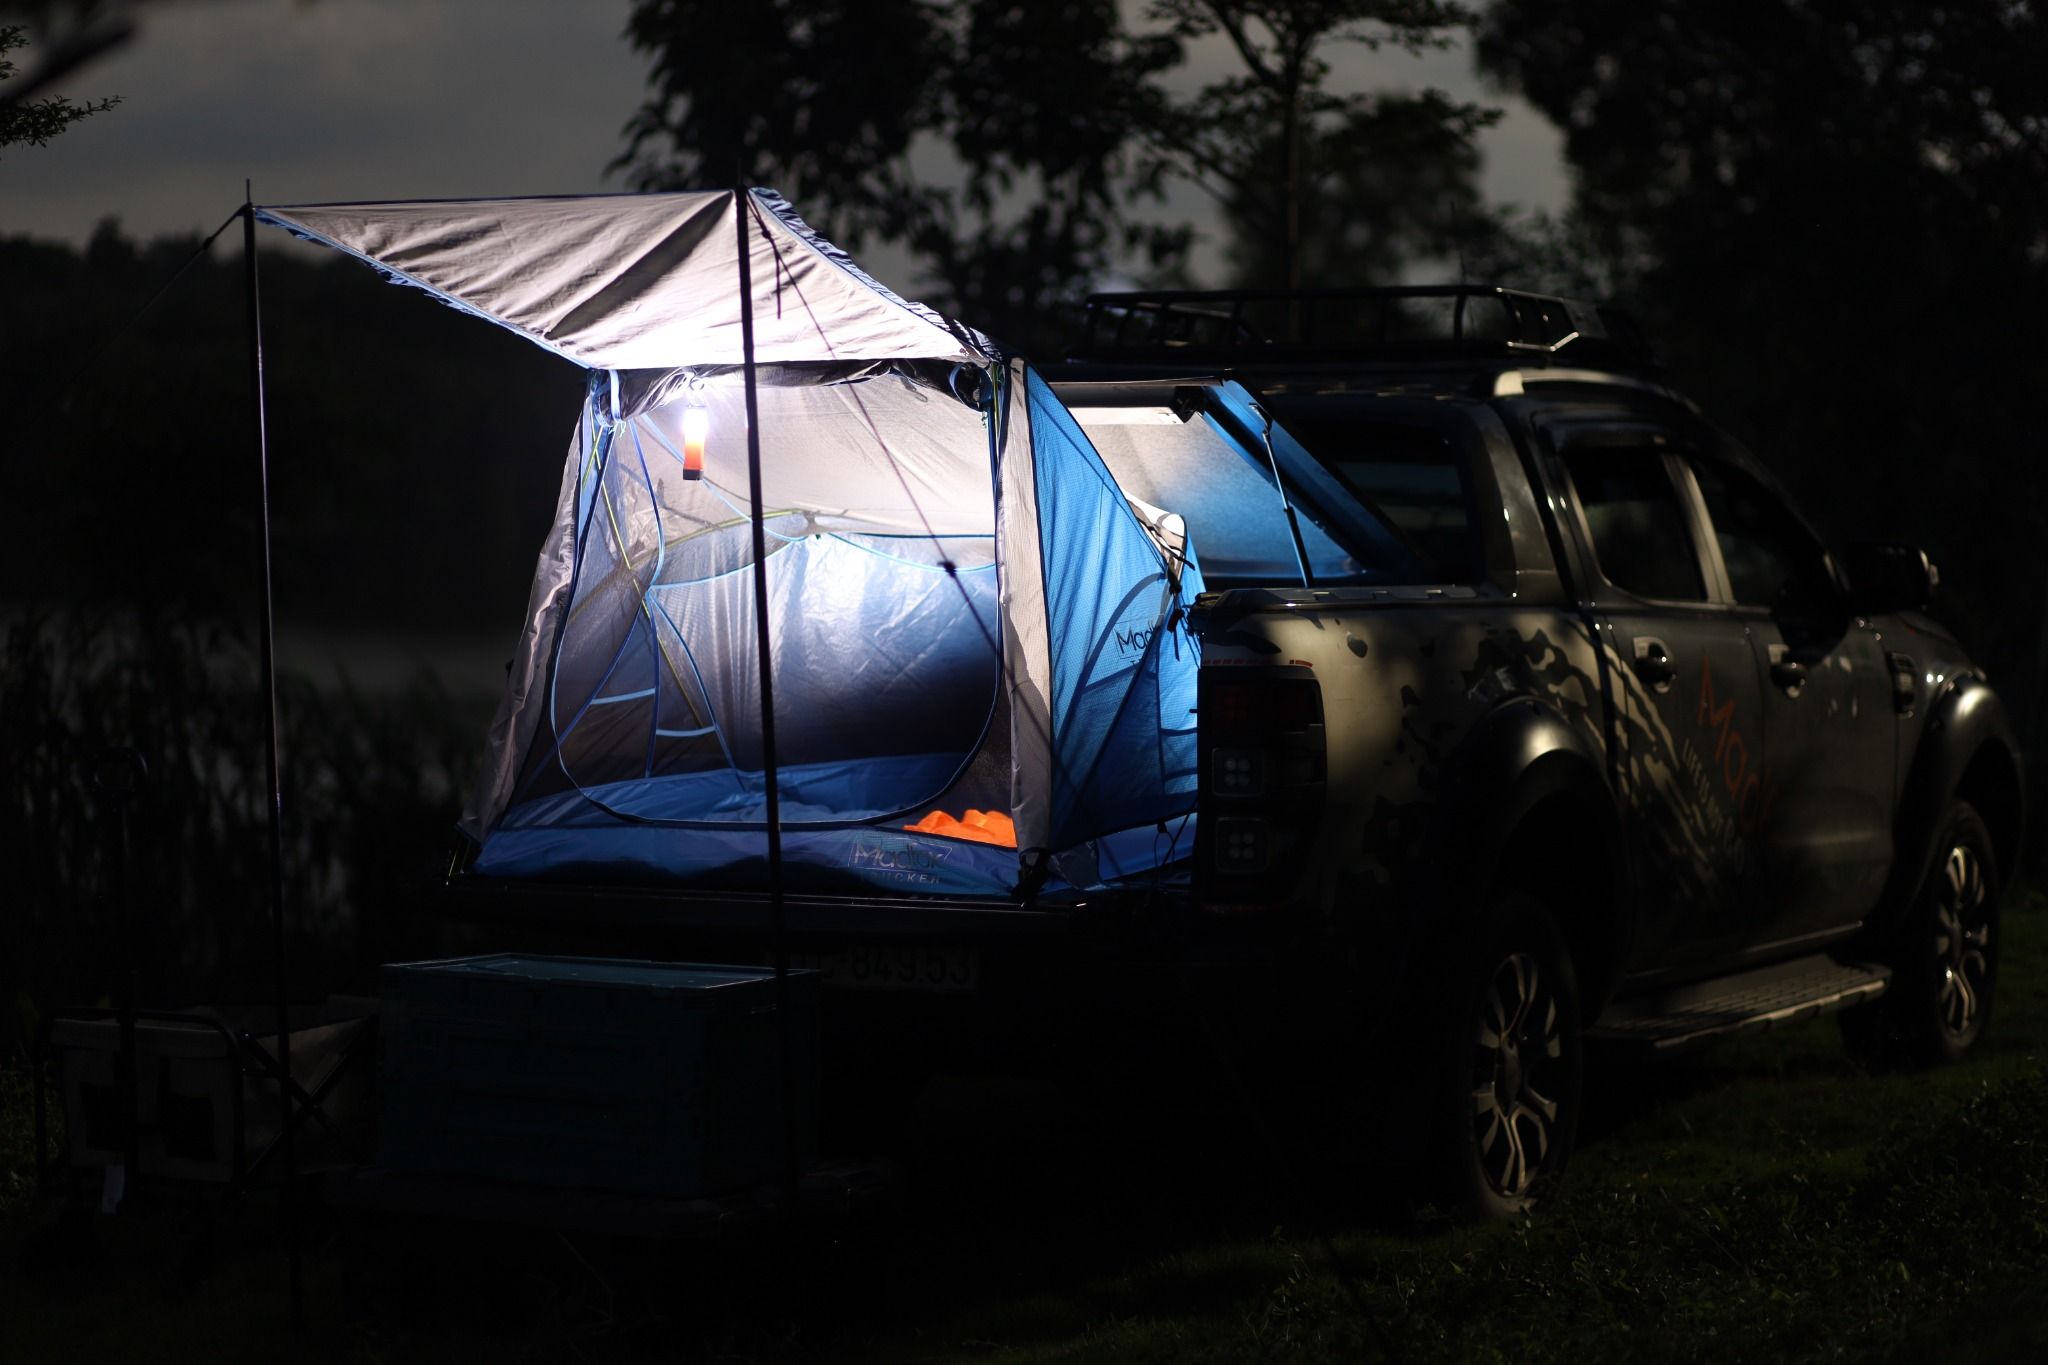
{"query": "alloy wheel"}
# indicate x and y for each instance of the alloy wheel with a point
(1517, 1064)
(1962, 940)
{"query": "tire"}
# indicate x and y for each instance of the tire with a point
(1943, 956)
(1510, 1067)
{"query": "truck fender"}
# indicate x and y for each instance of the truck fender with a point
(1967, 746)
(1525, 803)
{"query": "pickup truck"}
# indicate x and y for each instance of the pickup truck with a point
(1532, 716)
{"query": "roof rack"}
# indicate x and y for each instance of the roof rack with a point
(1400, 322)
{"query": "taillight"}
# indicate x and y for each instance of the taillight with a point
(1260, 734)
(1260, 702)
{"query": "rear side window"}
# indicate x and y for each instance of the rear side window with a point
(1636, 521)
(1411, 477)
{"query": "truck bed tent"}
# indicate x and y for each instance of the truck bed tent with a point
(966, 614)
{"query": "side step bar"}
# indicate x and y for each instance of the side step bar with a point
(1681, 1017)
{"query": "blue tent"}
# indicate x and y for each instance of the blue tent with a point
(965, 611)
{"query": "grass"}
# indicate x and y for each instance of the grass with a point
(1766, 1201)
(17, 1143)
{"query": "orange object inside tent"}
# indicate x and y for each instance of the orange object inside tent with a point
(982, 826)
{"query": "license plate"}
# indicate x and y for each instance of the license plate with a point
(894, 969)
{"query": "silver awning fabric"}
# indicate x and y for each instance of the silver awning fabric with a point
(645, 281)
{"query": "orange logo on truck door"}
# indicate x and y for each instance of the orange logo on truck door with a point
(1749, 787)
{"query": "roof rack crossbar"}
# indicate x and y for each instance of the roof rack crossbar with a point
(1340, 323)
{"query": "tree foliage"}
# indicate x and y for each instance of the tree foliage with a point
(1321, 187)
(991, 138)
(1021, 151)
(1831, 211)
(34, 122)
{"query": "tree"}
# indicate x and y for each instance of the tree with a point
(1019, 151)
(991, 138)
(1316, 186)
(1830, 212)
(36, 121)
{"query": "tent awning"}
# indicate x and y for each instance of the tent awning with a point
(642, 281)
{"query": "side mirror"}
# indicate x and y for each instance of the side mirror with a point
(1886, 578)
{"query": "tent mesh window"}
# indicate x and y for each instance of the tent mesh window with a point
(886, 662)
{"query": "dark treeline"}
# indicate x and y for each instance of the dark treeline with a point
(415, 459)
(416, 452)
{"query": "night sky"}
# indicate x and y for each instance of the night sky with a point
(334, 100)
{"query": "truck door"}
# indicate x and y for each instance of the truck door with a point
(1828, 728)
(1688, 691)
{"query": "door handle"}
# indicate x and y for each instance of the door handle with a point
(1787, 672)
(1653, 663)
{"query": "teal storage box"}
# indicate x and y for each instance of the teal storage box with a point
(645, 1077)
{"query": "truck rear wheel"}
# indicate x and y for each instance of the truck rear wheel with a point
(1943, 956)
(1511, 1071)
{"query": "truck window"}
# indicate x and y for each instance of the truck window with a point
(1233, 511)
(1636, 521)
(1411, 477)
(1771, 561)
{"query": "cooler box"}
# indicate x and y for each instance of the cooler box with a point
(645, 1077)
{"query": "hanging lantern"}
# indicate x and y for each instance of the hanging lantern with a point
(696, 426)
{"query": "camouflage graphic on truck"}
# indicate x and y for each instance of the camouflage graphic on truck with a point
(1397, 708)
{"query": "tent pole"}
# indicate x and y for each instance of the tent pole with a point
(742, 202)
(267, 656)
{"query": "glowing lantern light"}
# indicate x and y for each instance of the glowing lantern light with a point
(696, 426)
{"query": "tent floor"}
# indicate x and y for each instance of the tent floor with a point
(830, 1193)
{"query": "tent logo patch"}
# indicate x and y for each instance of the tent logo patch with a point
(1124, 644)
(899, 860)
